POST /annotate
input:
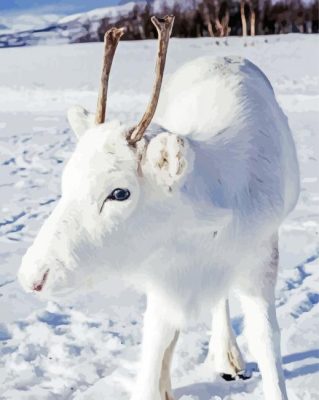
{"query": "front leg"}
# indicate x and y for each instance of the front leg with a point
(223, 348)
(159, 339)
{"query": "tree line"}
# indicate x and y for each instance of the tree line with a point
(216, 18)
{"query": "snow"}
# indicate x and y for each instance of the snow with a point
(11, 23)
(14, 22)
(183, 4)
(18, 30)
(87, 346)
(99, 13)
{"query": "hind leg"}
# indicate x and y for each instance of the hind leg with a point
(223, 348)
(257, 294)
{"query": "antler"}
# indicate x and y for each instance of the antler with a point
(111, 39)
(164, 28)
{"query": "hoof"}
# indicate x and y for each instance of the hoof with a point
(229, 378)
(244, 376)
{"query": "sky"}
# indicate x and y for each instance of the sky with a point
(52, 6)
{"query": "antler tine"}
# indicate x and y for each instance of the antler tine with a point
(111, 39)
(164, 28)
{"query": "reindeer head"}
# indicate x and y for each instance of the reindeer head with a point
(108, 214)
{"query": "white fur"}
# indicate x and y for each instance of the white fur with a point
(208, 194)
(223, 348)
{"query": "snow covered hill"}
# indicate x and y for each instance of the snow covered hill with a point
(86, 346)
(26, 30)
(10, 24)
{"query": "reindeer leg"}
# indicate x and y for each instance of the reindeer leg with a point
(159, 339)
(165, 381)
(258, 302)
(223, 348)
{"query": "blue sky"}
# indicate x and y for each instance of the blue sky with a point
(54, 6)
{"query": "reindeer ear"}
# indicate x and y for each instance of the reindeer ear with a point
(167, 160)
(80, 120)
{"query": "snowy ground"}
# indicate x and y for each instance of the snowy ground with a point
(88, 348)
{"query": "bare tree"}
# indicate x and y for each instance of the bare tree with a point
(207, 11)
(223, 17)
(252, 19)
(244, 5)
(243, 17)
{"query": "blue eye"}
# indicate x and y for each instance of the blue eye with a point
(119, 194)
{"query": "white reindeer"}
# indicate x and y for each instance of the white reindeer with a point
(188, 210)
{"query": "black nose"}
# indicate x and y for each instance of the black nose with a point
(38, 286)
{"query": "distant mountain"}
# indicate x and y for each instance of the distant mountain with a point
(13, 23)
(121, 2)
(68, 29)
(184, 4)
(53, 6)
(158, 4)
(113, 13)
